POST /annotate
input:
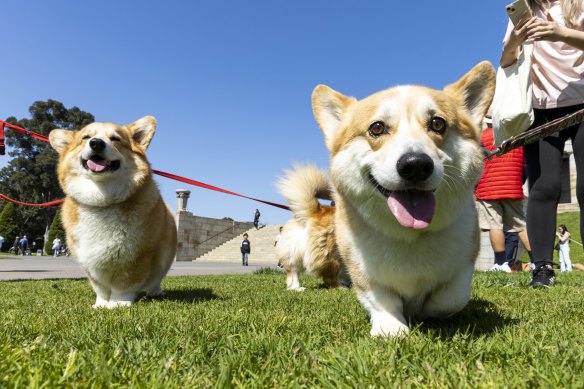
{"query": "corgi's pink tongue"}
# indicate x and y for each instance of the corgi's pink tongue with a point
(412, 209)
(97, 166)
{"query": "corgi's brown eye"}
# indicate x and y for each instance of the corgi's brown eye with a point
(86, 137)
(377, 129)
(115, 138)
(438, 125)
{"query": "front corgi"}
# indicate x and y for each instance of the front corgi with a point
(116, 222)
(404, 163)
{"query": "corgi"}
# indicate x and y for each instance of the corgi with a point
(404, 163)
(117, 225)
(307, 242)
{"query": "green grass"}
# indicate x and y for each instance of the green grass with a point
(248, 331)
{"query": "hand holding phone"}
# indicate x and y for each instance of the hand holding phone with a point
(517, 10)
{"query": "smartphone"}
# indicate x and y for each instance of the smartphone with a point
(517, 10)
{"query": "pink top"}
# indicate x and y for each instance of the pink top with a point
(557, 69)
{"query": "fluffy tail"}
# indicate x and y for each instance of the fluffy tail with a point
(301, 187)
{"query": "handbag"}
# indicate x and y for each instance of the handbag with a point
(512, 110)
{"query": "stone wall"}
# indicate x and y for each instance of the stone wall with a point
(198, 235)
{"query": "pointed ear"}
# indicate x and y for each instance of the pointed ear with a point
(60, 139)
(142, 130)
(476, 89)
(329, 108)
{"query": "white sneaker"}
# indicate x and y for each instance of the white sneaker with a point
(505, 267)
(494, 268)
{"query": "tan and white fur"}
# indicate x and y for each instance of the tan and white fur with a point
(404, 163)
(307, 242)
(117, 225)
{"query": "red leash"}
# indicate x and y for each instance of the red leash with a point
(54, 203)
(21, 130)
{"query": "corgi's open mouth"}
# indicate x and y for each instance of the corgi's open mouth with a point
(413, 208)
(98, 164)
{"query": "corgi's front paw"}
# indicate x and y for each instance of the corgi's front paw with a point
(387, 325)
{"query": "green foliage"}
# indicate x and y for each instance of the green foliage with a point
(8, 227)
(56, 230)
(247, 331)
(31, 174)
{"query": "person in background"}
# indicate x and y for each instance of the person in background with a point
(16, 245)
(256, 219)
(56, 246)
(499, 199)
(564, 248)
(556, 29)
(245, 249)
(24, 245)
(1, 242)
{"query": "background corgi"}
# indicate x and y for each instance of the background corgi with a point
(307, 242)
(404, 163)
(117, 225)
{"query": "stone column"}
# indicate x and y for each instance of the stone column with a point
(183, 197)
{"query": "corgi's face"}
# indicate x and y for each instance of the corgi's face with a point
(103, 163)
(405, 158)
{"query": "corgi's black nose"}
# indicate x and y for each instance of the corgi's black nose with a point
(415, 166)
(97, 144)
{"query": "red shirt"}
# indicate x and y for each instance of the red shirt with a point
(502, 176)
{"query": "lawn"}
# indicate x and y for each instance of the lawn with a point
(248, 331)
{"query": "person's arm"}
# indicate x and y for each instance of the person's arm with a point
(514, 39)
(549, 30)
(564, 237)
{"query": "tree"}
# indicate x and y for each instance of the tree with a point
(8, 226)
(31, 174)
(56, 230)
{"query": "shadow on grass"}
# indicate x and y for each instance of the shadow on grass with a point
(188, 295)
(479, 317)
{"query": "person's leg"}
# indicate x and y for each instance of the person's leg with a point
(578, 147)
(511, 245)
(568, 260)
(562, 255)
(525, 240)
(498, 244)
(544, 162)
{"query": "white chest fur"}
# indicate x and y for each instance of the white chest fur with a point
(107, 236)
(415, 268)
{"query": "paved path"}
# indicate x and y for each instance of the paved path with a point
(36, 268)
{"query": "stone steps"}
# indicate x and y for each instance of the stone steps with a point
(262, 248)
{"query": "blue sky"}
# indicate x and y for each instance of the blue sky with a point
(230, 81)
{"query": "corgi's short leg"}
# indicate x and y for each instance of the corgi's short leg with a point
(122, 299)
(100, 302)
(293, 282)
(451, 297)
(386, 311)
(155, 291)
(102, 294)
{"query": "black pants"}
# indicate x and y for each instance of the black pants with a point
(544, 162)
